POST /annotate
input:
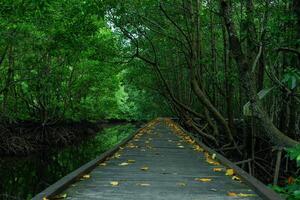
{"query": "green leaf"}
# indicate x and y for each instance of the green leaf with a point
(297, 194)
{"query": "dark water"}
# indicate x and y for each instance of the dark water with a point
(22, 178)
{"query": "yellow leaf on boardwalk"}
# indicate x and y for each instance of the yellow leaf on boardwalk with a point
(203, 179)
(60, 196)
(131, 161)
(124, 164)
(102, 164)
(117, 155)
(229, 172)
(87, 176)
(214, 156)
(217, 169)
(232, 194)
(246, 195)
(131, 146)
(198, 148)
(145, 168)
(114, 183)
(181, 184)
(143, 184)
(212, 162)
(236, 178)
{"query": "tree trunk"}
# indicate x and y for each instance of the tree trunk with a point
(275, 136)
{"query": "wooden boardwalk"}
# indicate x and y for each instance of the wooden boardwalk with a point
(160, 163)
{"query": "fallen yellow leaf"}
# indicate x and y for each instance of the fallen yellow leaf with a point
(114, 183)
(145, 168)
(236, 178)
(203, 179)
(131, 146)
(229, 172)
(117, 155)
(217, 169)
(102, 164)
(144, 184)
(246, 195)
(181, 147)
(232, 194)
(86, 176)
(212, 162)
(213, 156)
(198, 148)
(44, 198)
(124, 164)
(181, 184)
(131, 161)
(60, 196)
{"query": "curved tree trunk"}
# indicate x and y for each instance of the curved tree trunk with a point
(274, 134)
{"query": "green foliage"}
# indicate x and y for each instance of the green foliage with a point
(291, 192)
(60, 61)
(294, 154)
(292, 188)
(291, 78)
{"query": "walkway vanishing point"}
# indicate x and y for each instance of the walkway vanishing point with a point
(159, 162)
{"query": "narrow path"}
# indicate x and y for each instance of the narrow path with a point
(159, 164)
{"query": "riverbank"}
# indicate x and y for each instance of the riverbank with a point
(25, 137)
(24, 176)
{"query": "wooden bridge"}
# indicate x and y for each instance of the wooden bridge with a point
(160, 161)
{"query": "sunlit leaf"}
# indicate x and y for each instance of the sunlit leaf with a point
(246, 195)
(229, 172)
(232, 194)
(123, 164)
(86, 176)
(236, 178)
(114, 183)
(60, 196)
(203, 179)
(181, 184)
(217, 169)
(144, 168)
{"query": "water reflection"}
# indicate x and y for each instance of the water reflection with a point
(22, 178)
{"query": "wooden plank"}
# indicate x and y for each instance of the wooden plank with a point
(61, 184)
(167, 170)
(169, 166)
(256, 185)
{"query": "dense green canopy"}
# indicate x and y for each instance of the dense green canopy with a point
(228, 70)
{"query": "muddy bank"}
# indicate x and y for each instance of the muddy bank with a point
(26, 137)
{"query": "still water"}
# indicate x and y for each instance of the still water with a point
(22, 178)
